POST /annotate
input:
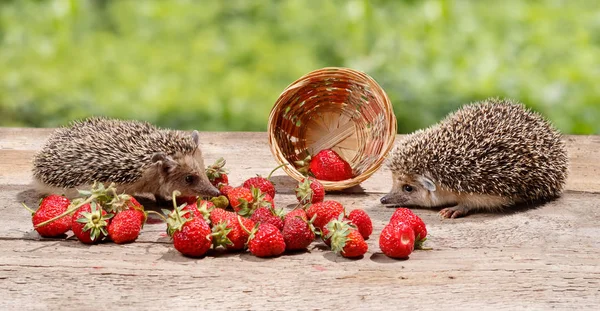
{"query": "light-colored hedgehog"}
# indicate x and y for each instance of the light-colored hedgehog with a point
(137, 156)
(485, 156)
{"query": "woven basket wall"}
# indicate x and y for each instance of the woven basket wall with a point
(338, 108)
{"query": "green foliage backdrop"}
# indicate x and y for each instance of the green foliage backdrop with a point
(220, 65)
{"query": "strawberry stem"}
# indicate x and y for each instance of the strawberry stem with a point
(239, 218)
(175, 195)
(159, 214)
(29, 209)
(69, 210)
(273, 171)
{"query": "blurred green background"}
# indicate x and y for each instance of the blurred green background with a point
(220, 65)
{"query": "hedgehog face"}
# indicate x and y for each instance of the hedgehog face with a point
(185, 173)
(411, 190)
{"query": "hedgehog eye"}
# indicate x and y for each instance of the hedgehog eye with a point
(189, 179)
(407, 188)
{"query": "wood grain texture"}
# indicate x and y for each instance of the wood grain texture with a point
(539, 258)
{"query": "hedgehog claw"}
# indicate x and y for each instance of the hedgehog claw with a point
(453, 212)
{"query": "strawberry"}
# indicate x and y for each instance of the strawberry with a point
(245, 201)
(186, 199)
(346, 240)
(225, 189)
(191, 235)
(220, 201)
(50, 207)
(406, 215)
(326, 165)
(309, 190)
(269, 216)
(202, 210)
(266, 241)
(89, 223)
(397, 240)
(227, 231)
(125, 227)
(362, 221)
(238, 197)
(217, 174)
(325, 231)
(297, 232)
(133, 204)
(264, 184)
(324, 211)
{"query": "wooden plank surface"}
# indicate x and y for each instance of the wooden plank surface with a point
(541, 258)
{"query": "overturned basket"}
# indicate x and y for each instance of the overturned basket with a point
(337, 108)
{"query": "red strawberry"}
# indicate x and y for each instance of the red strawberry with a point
(406, 215)
(191, 235)
(245, 202)
(219, 215)
(309, 190)
(362, 221)
(89, 223)
(225, 189)
(324, 211)
(217, 174)
(397, 240)
(125, 227)
(326, 165)
(264, 184)
(203, 210)
(297, 232)
(227, 231)
(266, 241)
(269, 216)
(50, 207)
(133, 204)
(238, 197)
(346, 240)
(186, 199)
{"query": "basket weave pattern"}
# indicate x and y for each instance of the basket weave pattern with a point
(337, 108)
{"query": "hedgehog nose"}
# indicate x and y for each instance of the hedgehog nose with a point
(385, 199)
(214, 192)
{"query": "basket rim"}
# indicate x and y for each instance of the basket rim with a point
(371, 169)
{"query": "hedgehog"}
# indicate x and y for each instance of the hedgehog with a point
(490, 155)
(136, 156)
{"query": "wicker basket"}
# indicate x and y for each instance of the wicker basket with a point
(337, 108)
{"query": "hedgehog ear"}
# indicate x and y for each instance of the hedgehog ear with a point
(427, 183)
(196, 138)
(164, 160)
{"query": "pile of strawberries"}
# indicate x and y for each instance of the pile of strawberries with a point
(244, 217)
(101, 214)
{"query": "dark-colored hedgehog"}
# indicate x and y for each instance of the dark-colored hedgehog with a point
(485, 156)
(137, 156)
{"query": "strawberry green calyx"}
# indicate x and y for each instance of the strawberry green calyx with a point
(304, 192)
(205, 210)
(219, 234)
(248, 208)
(338, 231)
(216, 169)
(303, 165)
(175, 218)
(94, 221)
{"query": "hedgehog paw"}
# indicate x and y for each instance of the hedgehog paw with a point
(454, 212)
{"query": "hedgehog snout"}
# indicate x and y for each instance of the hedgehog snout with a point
(213, 192)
